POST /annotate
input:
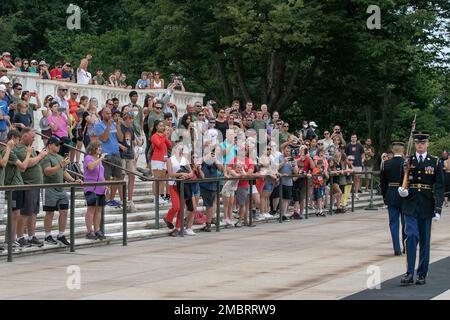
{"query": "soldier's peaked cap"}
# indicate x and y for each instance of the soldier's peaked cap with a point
(398, 143)
(421, 135)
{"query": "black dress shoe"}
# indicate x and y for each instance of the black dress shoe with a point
(404, 250)
(398, 253)
(420, 280)
(407, 279)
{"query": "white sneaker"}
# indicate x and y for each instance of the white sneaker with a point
(189, 232)
(131, 206)
(267, 215)
(162, 201)
(356, 196)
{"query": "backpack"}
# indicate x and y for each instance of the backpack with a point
(77, 171)
(199, 218)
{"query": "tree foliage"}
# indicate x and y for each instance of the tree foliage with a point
(308, 59)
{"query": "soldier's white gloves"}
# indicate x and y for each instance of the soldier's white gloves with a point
(437, 217)
(403, 192)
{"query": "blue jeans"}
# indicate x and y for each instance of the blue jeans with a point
(418, 231)
(395, 217)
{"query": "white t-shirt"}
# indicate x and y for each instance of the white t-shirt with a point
(213, 134)
(157, 85)
(176, 165)
(83, 77)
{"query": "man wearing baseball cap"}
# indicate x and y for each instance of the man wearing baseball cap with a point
(33, 67)
(55, 199)
(5, 61)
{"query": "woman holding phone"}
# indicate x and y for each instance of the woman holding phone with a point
(95, 196)
(59, 123)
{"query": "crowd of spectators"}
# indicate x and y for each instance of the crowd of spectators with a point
(207, 141)
(64, 71)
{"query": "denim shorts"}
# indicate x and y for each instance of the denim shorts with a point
(268, 187)
(195, 189)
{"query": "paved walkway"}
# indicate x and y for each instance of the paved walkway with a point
(321, 258)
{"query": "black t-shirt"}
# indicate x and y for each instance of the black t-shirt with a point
(25, 119)
(222, 127)
(355, 150)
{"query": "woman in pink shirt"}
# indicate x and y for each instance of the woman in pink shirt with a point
(59, 123)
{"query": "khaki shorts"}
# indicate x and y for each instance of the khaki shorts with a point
(129, 164)
(358, 169)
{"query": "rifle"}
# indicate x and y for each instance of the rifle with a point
(405, 183)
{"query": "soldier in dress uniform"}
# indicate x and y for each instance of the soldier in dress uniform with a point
(421, 205)
(391, 179)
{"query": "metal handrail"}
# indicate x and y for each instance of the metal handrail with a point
(72, 186)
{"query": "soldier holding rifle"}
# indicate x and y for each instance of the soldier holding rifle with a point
(423, 173)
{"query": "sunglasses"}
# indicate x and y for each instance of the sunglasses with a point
(75, 93)
(25, 63)
(286, 126)
(158, 108)
(63, 90)
(201, 115)
(320, 144)
(19, 89)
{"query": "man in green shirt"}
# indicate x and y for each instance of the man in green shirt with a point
(31, 175)
(55, 199)
(156, 114)
(13, 176)
(284, 134)
(5, 151)
(138, 123)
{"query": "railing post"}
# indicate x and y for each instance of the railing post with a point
(250, 206)
(331, 195)
(9, 226)
(306, 197)
(353, 195)
(218, 207)
(72, 219)
(281, 199)
(102, 221)
(371, 207)
(182, 204)
(156, 192)
(124, 215)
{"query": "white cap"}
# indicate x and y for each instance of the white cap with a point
(4, 79)
(2, 88)
(6, 54)
(313, 124)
